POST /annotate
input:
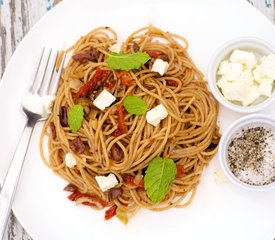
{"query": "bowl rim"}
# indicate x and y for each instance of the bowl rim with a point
(239, 123)
(224, 49)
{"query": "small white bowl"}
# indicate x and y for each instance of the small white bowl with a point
(259, 48)
(252, 120)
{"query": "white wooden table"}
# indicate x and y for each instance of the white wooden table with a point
(16, 18)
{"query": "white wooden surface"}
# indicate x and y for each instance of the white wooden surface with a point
(16, 18)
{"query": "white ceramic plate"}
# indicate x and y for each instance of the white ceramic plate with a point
(219, 211)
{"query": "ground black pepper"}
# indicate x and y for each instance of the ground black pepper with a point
(251, 155)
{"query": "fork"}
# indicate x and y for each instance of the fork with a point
(45, 83)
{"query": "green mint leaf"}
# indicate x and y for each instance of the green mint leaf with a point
(159, 175)
(127, 61)
(135, 105)
(75, 117)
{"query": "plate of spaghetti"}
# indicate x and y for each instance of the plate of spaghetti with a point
(129, 149)
(121, 139)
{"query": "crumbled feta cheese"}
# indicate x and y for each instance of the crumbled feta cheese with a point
(222, 82)
(105, 183)
(242, 79)
(104, 99)
(248, 59)
(251, 94)
(247, 77)
(233, 90)
(116, 47)
(234, 71)
(268, 66)
(239, 90)
(160, 66)
(48, 101)
(266, 87)
(223, 68)
(258, 74)
(156, 114)
(70, 160)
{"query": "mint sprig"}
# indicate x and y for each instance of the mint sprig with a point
(135, 105)
(159, 175)
(127, 61)
(75, 117)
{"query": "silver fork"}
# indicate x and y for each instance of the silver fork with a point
(45, 83)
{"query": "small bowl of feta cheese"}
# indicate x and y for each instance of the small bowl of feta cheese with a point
(247, 152)
(241, 75)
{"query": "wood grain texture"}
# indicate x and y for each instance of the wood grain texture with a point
(16, 18)
(266, 7)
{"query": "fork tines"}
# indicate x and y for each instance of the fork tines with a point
(46, 76)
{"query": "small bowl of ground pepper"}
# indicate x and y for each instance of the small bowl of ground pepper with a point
(247, 152)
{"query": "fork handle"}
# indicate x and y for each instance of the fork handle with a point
(12, 177)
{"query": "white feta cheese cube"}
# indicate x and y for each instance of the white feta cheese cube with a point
(251, 93)
(240, 91)
(235, 70)
(160, 66)
(70, 160)
(116, 47)
(106, 183)
(247, 77)
(48, 101)
(222, 82)
(223, 68)
(233, 90)
(243, 79)
(268, 66)
(265, 87)
(258, 74)
(104, 99)
(248, 59)
(156, 114)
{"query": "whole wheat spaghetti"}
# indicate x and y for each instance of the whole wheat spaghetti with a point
(114, 141)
